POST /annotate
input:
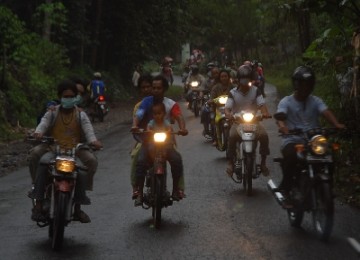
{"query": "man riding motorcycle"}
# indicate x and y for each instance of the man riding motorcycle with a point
(142, 117)
(194, 76)
(68, 126)
(300, 111)
(246, 96)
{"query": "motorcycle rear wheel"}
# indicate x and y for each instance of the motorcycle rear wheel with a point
(100, 113)
(59, 221)
(323, 212)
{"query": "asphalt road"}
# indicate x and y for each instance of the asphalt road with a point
(216, 220)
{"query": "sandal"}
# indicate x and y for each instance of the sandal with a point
(178, 195)
(264, 170)
(229, 171)
(37, 215)
(135, 194)
(81, 216)
(138, 200)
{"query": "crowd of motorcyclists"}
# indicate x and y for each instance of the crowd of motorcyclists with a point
(242, 88)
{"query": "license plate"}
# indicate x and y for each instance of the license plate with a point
(101, 102)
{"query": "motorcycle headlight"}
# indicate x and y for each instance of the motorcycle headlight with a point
(222, 100)
(65, 165)
(319, 144)
(159, 137)
(248, 117)
(194, 84)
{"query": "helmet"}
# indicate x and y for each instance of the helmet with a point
(255, 63)
(194, 69)
(244, 71)
(303, 74)
(97, 75)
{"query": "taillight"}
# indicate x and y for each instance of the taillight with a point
(101, 98)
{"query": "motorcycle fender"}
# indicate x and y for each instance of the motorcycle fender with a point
(324, 177)
(64, 185)
(247, 136)
(248, 146)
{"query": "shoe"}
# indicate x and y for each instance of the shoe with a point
(286, 203)
(178, 195)
(264, 170)
(81, 216)
(214, 143)
(37, 215)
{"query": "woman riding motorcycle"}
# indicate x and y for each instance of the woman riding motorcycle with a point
(222, 88)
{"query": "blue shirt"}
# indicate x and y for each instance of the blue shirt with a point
(302, 115)
(97, 88)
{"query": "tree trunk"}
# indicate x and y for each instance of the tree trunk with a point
(47, 23)
(96, 42)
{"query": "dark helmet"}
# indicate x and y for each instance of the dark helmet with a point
(244, 71)
(303, 74)
(255, 63)
(194, 69)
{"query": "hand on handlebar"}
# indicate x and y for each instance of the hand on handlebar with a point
(183, 132)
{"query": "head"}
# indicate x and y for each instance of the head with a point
(255, 63)
(159, 86)
(247, 62)
(243, 76)
(194, 69)
(159, 112)
(81, 87)
(67, 93)
(224, 77)
(303, 80)
(215, 73)
(144, 85)
(97, 75)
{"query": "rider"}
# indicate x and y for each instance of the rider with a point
(222, 88)
(69, 126)
(144, 114)
(246, 96)
(144, 84)
(97, 86)
(301, 110)
(212, 80)
(194, 76)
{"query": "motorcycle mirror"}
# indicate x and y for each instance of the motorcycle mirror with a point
(281, 116)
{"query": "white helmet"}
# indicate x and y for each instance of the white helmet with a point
(97, 75)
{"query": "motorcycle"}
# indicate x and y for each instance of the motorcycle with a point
(156, 195)
(312, 188)
(222, 124)
(100, 108)
(58, 205)
(195, 99)
(246, 167)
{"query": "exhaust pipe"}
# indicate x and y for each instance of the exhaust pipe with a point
(354, 244)
(278, 196)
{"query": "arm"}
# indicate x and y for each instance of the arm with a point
(177, 115)
(330, 117)
(264, 111)
(89, 131)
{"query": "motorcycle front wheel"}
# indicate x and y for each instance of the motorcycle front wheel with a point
(158, 201)
(59, 221)
(323, 210)
(249, 161)
(196, 107)
(295, 217)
